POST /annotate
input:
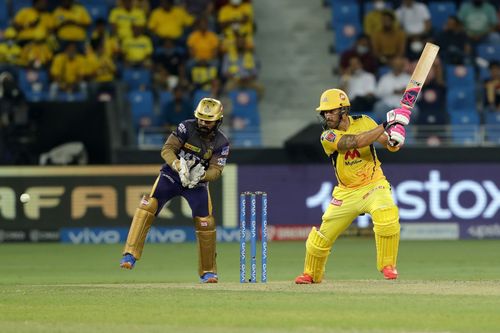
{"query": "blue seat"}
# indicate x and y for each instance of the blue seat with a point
(137, 78)
(4, 13)
(141, 109)
(484, 73)
(245, 113)
(96, 10)
(36, 96)
(440, 11)
(345, 36)
(465, 128)
(246, 139)
(492, 127)
(153, 139)
(460, 76)
(31, 80)
(345, 13)
(489, 51)
(461, 99)
(17, 5)
(164, 98)
(199, 95)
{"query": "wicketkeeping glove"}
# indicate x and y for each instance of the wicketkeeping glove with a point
(182, 167)
(196, 174)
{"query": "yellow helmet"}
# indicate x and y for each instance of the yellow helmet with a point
(333, 99)
(209, 109)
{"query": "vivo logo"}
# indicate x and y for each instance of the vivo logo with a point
(156, 235)
(91, 236)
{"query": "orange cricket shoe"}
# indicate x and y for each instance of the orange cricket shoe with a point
(390, 272)
(304, 279)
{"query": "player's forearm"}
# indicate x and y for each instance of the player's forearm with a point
(170, 149)
(360, 140)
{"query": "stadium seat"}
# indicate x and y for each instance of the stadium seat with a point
(36, 96)
(4, 14)
(248, 138)
(465, 128)
(245, 113)
(440, 11)
(345, 36)
(461, 99)
(164, 98)
(141, 109)
(345, 13)
(33, 81)
(137, 78)
(70, 97)
(460, 76)
(492, 127)
(489, 51)
(96, 10)
(484, 73)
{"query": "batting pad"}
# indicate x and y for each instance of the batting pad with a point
(141, 223)
(386, 228)
(317, 251)
(206, 236)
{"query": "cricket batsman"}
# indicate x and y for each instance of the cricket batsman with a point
(362, 187)
(195, 154)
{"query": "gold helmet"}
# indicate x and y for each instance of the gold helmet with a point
(333, 99)
(209, 109)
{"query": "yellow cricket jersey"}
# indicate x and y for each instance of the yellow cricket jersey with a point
(124, 19)
(356, 167)
(69, 31)
(26, 17)
(169, 24)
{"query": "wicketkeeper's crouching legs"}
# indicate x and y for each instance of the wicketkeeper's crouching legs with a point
(387, 230)
(206, 237)
(141, 223)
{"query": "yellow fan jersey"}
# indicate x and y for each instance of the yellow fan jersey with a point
(356, 167)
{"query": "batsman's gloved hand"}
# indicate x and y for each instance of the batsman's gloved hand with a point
(182, 168)
(196, 174)
(398, 116)
(396, 135)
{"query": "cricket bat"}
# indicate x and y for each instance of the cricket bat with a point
(419, 75)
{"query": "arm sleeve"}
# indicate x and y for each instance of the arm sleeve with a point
(170, 149)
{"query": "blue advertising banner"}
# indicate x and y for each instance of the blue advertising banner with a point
(435, 200)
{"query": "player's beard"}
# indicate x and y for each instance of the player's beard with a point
(333, 124)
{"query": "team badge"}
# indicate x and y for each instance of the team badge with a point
(225, 151)
(208, 154)
(221, 161)
(328, 136)
(182, 128)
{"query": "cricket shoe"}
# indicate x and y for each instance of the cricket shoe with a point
(209, 277)
(304, 279)
(390, 272)
(128, 261)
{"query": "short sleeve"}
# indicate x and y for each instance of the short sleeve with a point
(329, 141)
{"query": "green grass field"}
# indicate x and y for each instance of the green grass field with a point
(447, 286)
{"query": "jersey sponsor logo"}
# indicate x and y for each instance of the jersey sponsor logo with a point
(208, 154)
(336, 202)
(191, 147)
(328, 136)
(225, 151)
(352, 154)
(182, 128)
(221, 161)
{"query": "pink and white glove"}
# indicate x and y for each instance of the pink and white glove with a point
(396, 135)
(398, 116)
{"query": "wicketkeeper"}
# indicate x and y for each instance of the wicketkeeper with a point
(195, 154)
(362, 187)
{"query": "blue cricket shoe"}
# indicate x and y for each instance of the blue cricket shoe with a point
(209, 277)
(128, 261)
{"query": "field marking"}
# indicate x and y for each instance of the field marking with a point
(478, 288)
